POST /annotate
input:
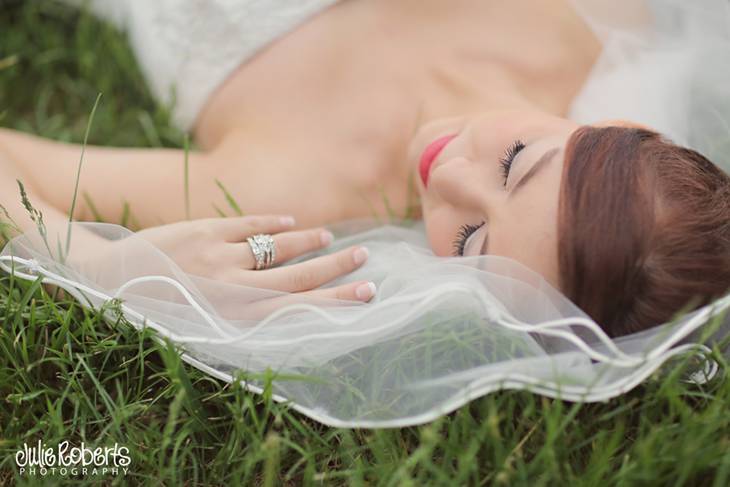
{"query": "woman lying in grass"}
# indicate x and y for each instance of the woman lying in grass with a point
(477, 102)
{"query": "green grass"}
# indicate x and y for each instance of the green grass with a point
(67, 374)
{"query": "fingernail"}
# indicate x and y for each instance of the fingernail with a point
(360, 255)
(365, 291)
(287, 221)
(326, 238)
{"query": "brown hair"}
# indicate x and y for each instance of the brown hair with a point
(644, 228)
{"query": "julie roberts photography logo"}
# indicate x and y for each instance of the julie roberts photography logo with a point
(64, 459)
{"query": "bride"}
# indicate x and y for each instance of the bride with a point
(328, 111)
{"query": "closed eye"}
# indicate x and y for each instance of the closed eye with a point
(542, 162)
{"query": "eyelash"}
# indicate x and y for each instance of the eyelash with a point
(465, 232)
(509, 156)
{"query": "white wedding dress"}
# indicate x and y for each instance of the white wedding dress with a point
(440, 331)
(187, 48)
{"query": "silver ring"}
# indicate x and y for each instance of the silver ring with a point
(264, 250)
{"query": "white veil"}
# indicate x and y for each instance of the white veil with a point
(440, 331)
(666, 64)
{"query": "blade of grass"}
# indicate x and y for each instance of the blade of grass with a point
(386, 202)
(35, 215)
(231, 202)
(124, 220)
(186, 145)
(149, 129)
(11, 223)
(220, 212)
(78, 176)
(92, 207)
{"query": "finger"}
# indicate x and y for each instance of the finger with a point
(237, 229)
(287, 245)
(313, 273)
(293, 244)
(356, 293)
(238, 255)
(362, 291)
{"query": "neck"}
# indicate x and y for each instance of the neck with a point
(454, 81)
(460, 92)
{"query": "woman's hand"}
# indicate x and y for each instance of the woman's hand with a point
(217, 248)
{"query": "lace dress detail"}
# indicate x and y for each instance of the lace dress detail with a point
(187, 48)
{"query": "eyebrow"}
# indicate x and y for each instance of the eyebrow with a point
(542, 162)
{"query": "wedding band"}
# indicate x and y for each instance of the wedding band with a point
(264, 250)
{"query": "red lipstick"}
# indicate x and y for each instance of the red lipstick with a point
(430, 154)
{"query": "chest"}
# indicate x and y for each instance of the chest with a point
(355, 70)
(341, 95)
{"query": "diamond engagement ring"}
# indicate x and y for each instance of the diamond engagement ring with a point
(263, 249)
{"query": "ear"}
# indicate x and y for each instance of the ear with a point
(622, 123)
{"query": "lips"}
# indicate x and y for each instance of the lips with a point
(430, 154)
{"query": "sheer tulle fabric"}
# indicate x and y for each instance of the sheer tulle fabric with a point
(440, 331)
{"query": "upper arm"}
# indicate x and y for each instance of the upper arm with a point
(149, 181)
